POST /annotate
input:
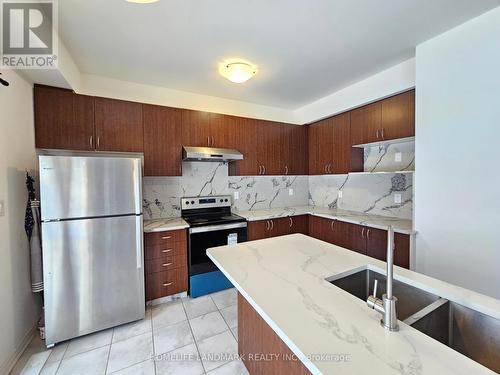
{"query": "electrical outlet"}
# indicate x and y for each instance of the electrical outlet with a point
(397, 198)
(398, 157)
(290, 191)
(236, 195)
(339, 194)
(2, 208)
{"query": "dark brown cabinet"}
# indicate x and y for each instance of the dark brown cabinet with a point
(63, 119)
(162, 141)
(165, 256)
(298, 224)
(260, 229)
(387, 119)
(361, 239)
(118, 125)
(294, 150)
(330, 150)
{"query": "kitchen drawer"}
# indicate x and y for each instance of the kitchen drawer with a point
(161, 250)
(162, 284)
(164, 238)
(166, 263)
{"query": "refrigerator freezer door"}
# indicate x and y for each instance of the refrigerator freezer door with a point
(89, 186)
(93, 275)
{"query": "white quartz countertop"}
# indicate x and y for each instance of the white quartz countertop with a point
(162, 225)
(374, 221)
(283, 278)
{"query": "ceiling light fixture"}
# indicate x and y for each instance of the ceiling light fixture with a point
(142, 1)
(237, 72)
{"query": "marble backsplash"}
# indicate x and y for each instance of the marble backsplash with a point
(369, 193)
(161, 195)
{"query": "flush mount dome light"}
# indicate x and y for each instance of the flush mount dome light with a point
(237, 72)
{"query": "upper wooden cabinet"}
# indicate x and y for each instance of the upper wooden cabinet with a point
(294, 151)
(63, 119)
(196, 128)
(162, 141)
(118, 125)
(387, 119)
(330, 149)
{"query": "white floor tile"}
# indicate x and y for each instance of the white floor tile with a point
(58, 352)
(185, 361)
(225, 298)
(143, 368)
(232, 368)
(208, 325)
(35, 347)
(172, 337)
(230, 315)
(198, 306)
(218, 350)
(235, 332)
(130, 352)
(35, 363)
(128, 330)
(50, 368)
(168, 314)
(89, 342)
(91, 362)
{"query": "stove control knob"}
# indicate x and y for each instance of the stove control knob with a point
(192, 202)
(226, 200)
(187, 202)
(222, 200)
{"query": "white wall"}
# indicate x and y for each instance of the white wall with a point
(19, 307)
(396, 79)
(457, 181)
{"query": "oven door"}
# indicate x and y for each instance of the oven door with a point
(203, 238)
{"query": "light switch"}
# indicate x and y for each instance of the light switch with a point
(339, 194)
(397, 198)
(398, 157)
(2, 208)
(236, 195)
(290, 191)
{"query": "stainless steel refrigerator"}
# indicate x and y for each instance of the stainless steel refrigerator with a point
(92, 241)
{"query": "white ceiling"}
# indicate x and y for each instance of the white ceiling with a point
(305, 49)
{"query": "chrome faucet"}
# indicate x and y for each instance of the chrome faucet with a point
(387, 305)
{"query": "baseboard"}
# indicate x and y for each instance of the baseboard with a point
(9, 364)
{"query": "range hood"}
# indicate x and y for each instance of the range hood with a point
(210, 154)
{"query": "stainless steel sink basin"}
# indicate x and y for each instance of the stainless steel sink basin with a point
(467, 331)
(360, 284)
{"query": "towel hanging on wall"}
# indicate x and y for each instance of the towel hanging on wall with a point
(32, 228)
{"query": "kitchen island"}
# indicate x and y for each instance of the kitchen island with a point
(329, 330)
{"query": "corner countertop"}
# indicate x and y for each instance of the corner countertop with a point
(162, 225)
(283, 278)
(374, 221)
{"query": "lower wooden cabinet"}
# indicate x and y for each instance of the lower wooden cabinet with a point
(260, 229)
(166, 263)
(361, 239)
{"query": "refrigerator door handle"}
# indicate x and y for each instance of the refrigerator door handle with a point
(140, 240)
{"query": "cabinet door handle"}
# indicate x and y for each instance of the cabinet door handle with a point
(286, 169)
(272, 224)
(166, 251)
(326, 167)
(167, 284)
(382, 134)
(166, 264)
(377, 132)
(208, 141)
(91, 142)
(264, 169)
(332, 224)
(363, 233)
(368, 234)
(267, 225)
(166, 237)
(98, 141)
(291, 221)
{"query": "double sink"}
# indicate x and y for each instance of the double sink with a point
(465, 330)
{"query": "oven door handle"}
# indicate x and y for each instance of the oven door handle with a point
(213, 228)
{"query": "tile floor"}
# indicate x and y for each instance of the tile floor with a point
(188, 336)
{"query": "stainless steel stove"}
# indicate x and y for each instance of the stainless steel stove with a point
(211, 224)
